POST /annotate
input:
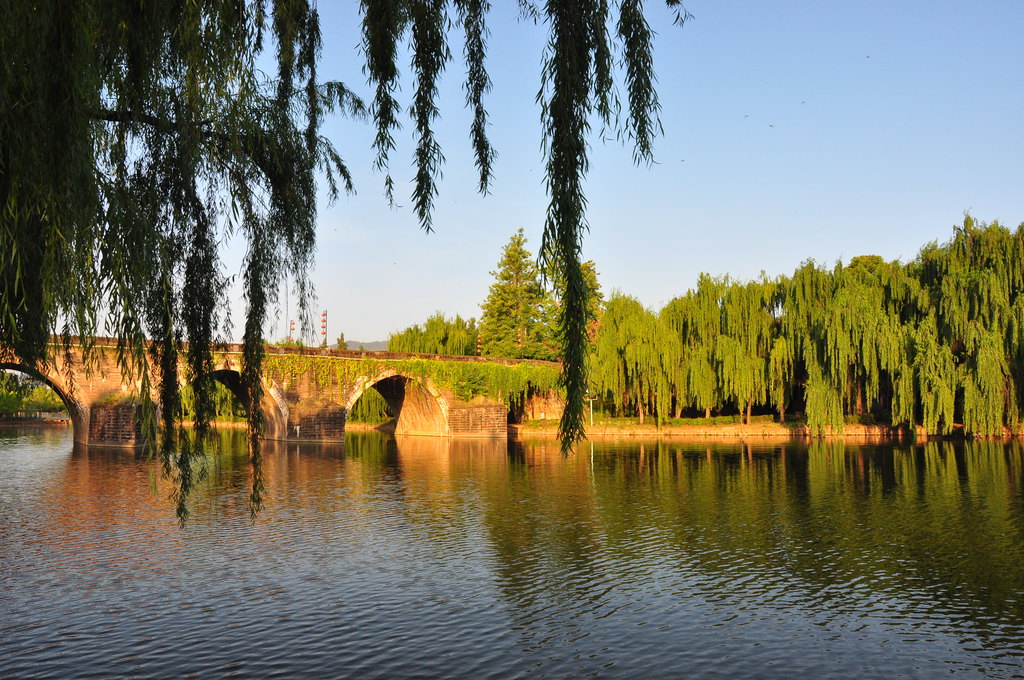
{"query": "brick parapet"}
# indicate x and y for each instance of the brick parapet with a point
(236, 348)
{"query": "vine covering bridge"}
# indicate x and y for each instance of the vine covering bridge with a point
(309, 392)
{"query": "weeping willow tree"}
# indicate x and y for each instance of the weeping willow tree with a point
(225, 405)
(780, 369)
(803, 325)
(438, 335)
(931, 382)
(635, 356)
(696, 319)
(136, 137)
(845, 334)
(865, 340)
(371, 408)
(742, 350)
(975, 282)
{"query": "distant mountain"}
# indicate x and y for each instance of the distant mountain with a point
(378, 346)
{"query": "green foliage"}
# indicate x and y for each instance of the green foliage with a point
(19, 395)
(936, 342)
(370, 408)
(10, 402)
(556, 293)
(226, 405)
(437, 336)
(743, 348)
(935, 381)
(780, 375)
(635, 358)
(42, 398)
(696, 318)
(513, 320)
(466, 379)
(118, 398)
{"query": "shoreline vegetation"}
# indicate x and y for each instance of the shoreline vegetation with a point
(734, 428)
(725, 427)
(933, 345)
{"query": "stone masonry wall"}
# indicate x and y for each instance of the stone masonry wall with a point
(296, 405)
(317, 419)
(114, 425)
(483, 421)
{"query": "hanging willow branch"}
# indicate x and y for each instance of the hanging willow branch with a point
(577, 82)
(135, 137)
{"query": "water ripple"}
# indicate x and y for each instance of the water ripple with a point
(446, 559)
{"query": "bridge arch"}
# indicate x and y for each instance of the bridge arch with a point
(79, 414)
(308, 395)
(275, 409)
(419, 407)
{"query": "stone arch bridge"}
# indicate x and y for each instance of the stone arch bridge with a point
(309, 392)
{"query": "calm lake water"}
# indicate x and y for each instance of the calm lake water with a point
(425, 558)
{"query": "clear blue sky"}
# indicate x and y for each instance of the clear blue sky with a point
(793, 130)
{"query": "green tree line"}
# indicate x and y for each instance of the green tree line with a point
(935, 342)
(26, 396)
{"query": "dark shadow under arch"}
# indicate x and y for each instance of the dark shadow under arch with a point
(415, 409)
(79, 424)
(274, 419)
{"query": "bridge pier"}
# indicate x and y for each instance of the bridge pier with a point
(478, 420)
(112, 425)
(316, 419)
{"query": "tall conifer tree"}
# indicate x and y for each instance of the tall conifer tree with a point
(512, 324)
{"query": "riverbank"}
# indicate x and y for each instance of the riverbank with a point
(729, 429)
(717, 428)
(40, 418)
(723, 427)
(387, 428)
